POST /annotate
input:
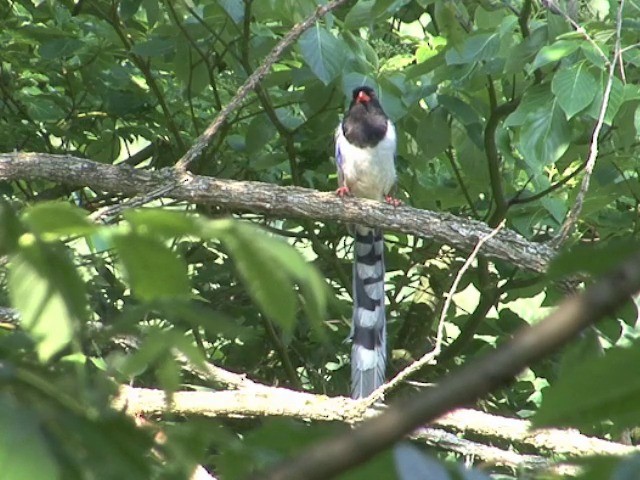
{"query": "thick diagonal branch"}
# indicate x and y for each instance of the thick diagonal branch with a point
(274, 200)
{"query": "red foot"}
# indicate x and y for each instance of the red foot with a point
(343, 192)
(392, 201)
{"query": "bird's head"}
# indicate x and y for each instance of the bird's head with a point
(363, 95)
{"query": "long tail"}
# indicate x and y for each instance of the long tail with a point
(368, 327)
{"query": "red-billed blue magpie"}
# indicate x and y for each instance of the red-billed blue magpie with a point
(365, 157)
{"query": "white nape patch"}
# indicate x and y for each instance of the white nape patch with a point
(369, 172)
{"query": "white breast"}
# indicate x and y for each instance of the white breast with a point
(369, 172)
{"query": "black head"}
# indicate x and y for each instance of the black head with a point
(365, 96)
(365, 123)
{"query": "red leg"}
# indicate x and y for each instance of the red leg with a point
(343, 191)
(392, 201)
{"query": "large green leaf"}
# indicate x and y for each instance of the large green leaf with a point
(161, 222)
(58, 219)
(266, 281)
(575, 88)
(24, 453)
(271, 270)
(323, 52)
(233, 8)
(554, 52)
(154, 271)
(601, 388)
(546, 137)
(360, 15)
(482, 46)
(544, 133)
(47, 291)
(434, 133)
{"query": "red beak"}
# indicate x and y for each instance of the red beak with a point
(363, 97)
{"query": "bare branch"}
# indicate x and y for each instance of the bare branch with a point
(270, 199)
(281, 402)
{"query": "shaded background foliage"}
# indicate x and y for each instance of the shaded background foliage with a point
(494, 103)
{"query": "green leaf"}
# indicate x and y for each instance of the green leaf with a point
(595, 260)
(575, 88)
(44, 109)
(152, 9)
(154, 47)
(233, 8)
(433, 134)
(313, 287)
(10, 229)
(259, 133)
(360, 15)
(323, 52)
(271, 270)
(128, 8)
(545, 134)
(545, 139)
(600, 388)
(58, 219)
(154, 271)
(48, 292)
(24, 452)
(482, 46)
(58, 48)
(557, 51)
(267, 282)
(162, 222)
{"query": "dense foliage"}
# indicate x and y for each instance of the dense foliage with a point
(495, 104)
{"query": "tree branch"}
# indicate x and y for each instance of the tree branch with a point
(297, 202)
(262, 401)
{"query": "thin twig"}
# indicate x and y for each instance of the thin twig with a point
(572, 218)
(430, 356)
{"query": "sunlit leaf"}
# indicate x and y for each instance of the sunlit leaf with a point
(574, 87)
(554, 52)
(154, 271)
(162, 222)
(49, 294)
(323, 52)
(58, 220)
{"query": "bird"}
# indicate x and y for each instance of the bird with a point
(365, 149)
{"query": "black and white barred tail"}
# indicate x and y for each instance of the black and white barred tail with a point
(368, 327)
